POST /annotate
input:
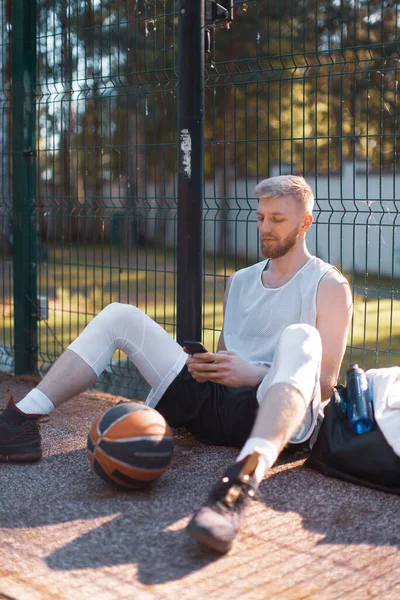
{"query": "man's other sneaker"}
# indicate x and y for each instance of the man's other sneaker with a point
(217, 523)
(19, 435)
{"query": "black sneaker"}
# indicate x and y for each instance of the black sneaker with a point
(217, 523)
(19, 435)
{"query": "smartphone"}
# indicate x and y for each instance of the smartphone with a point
(195, 347)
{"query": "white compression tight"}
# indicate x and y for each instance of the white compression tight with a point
(151, 349)
(297, 362)
(160, 359)
(289, 396)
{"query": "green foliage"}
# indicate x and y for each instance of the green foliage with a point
(312, 83)
(307, 83)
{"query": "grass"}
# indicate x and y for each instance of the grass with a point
(80, 281)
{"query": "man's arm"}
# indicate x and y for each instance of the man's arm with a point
(221, 341)
(334, 312)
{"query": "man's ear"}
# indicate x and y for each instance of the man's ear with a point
(307, 221)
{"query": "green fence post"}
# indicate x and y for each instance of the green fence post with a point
(24, 184)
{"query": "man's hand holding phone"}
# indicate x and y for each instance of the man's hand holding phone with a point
(194, 348)
(224, 367)
(199, 358)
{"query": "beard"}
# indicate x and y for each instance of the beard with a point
(276, 249)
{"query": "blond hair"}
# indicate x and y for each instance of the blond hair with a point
(287, 185)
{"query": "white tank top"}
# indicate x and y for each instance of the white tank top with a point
(255, 316)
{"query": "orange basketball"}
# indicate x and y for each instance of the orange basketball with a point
(130, 445)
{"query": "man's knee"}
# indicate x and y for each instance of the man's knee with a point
(118, 312)
(303, 340)
(296, 362)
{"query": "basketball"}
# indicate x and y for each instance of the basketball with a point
(130, 445)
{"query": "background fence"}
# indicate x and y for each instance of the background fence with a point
(306, 87)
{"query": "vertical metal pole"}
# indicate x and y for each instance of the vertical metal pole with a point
(191, 168)
(24, 183)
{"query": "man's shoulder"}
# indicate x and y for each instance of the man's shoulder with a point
(330, 275)
(333, 288)
(333, 277)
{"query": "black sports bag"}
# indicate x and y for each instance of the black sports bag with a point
(365, 459)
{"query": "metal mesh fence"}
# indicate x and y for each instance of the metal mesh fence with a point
(106, 117)
(305, 87)
(310, 88)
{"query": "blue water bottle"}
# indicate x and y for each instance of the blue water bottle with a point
(359, 405)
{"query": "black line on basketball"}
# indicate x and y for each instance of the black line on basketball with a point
(141, 453)
(116, 412)
(98, 469)
(90, 444)
(130, 480)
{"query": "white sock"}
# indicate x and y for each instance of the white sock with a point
(268, 452)
(35, 403)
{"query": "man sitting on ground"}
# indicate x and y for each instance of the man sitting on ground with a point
(286, 321)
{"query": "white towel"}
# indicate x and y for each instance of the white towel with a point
(384, 388)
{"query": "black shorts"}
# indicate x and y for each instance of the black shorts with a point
(211, 412)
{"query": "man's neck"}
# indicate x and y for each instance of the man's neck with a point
(280, 270)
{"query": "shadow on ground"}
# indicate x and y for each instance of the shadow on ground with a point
(142, 527)
(147, 528)
(342, 513)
